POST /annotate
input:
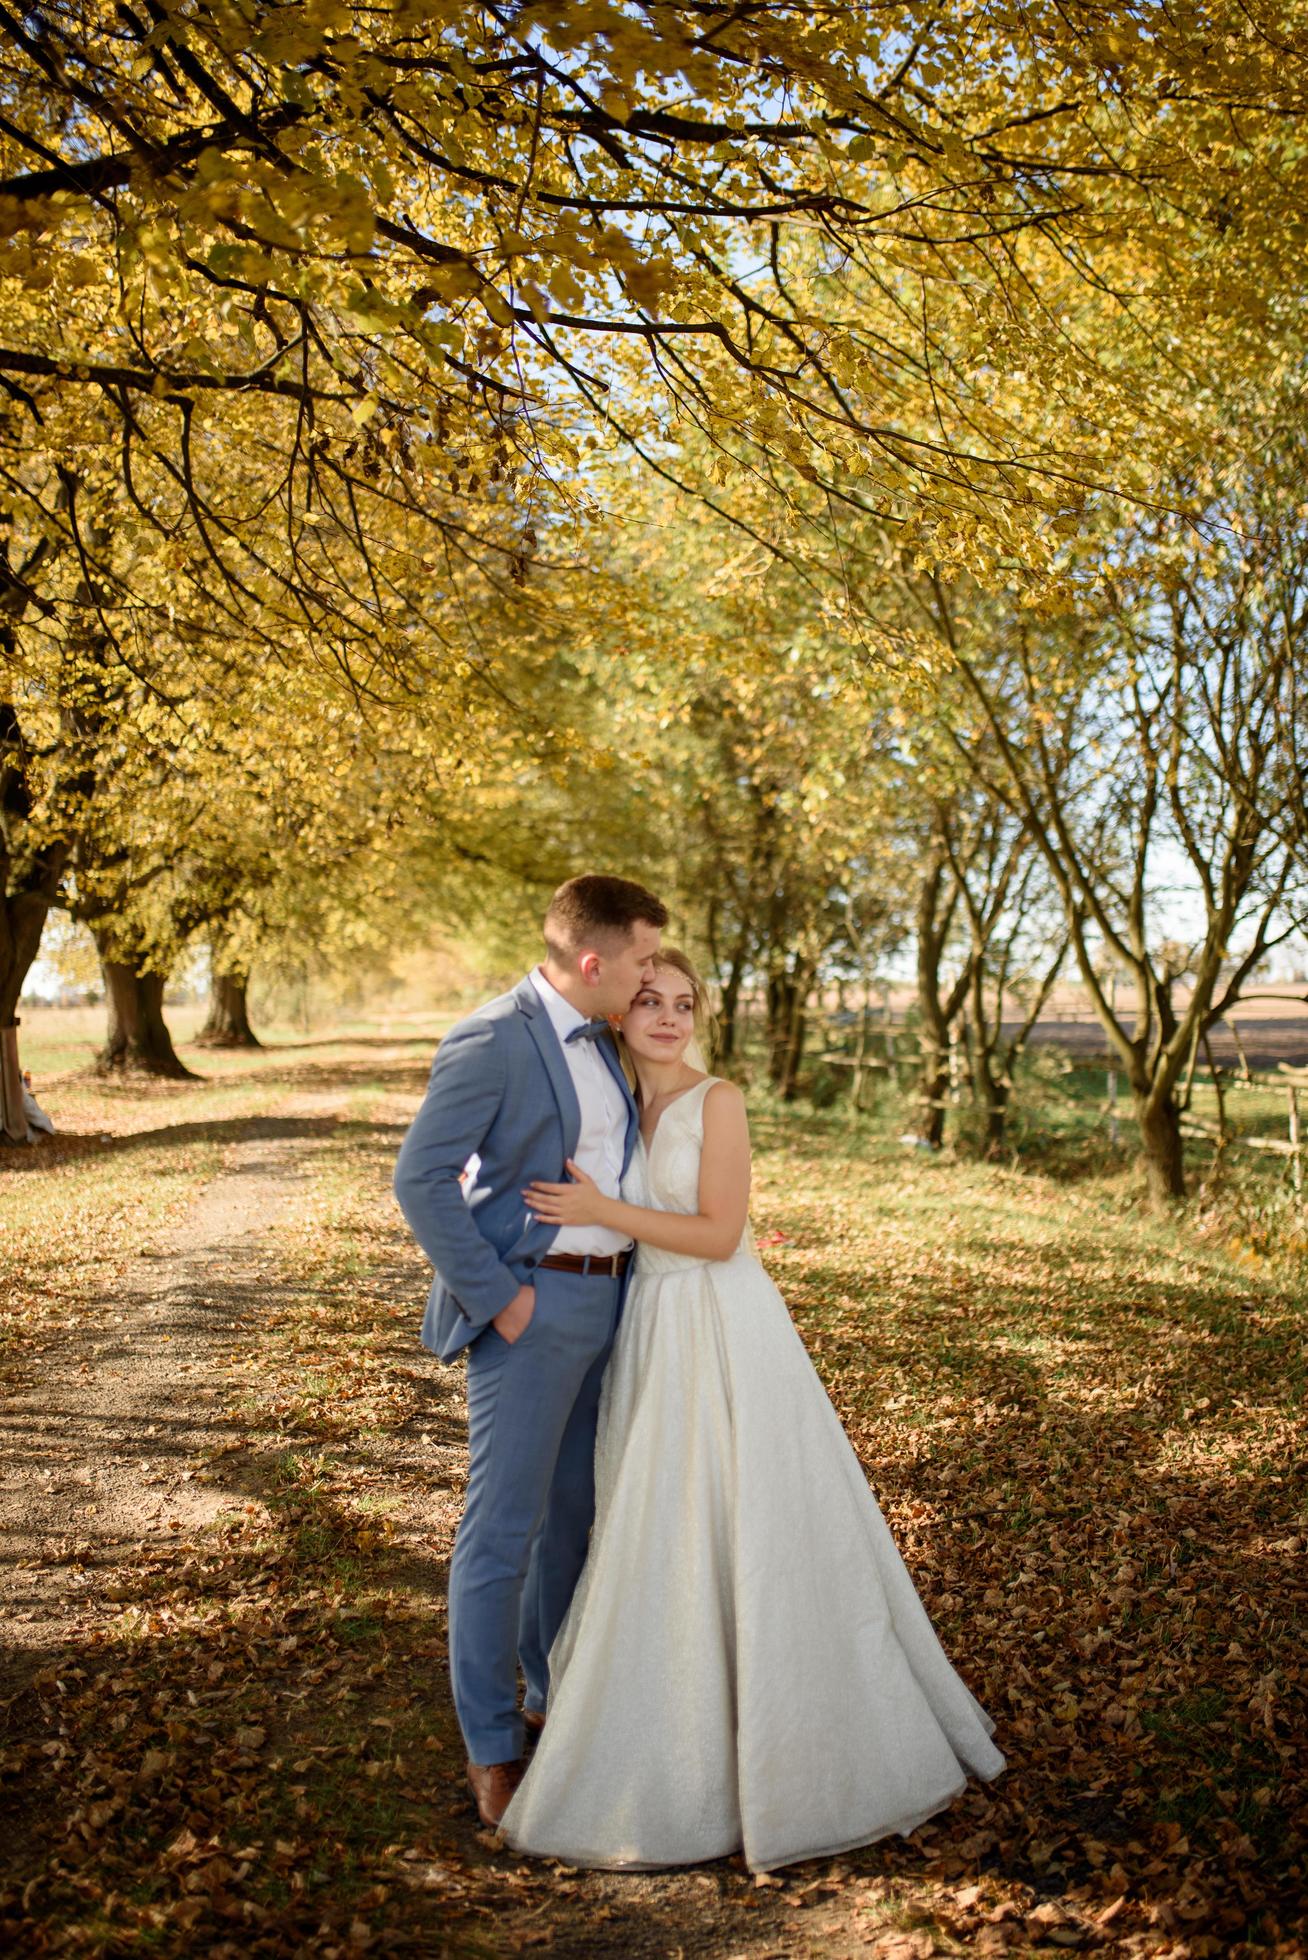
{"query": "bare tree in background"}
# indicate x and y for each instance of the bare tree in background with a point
(1174, 731)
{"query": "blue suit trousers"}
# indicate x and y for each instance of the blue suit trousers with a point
(521, 1544)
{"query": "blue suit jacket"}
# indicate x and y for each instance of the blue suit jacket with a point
(500, 1090)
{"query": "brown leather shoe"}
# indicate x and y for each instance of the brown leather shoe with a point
(533, 1720)
(493, 1785)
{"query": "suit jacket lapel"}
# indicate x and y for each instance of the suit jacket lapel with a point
(551, 1053)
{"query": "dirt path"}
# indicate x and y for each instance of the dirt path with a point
(102, 1449)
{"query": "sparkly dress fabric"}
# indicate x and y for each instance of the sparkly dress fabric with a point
(745, 1664)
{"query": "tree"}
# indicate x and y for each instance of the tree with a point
(170, 761)
(137, 1039)
(939, 1005)
(1017, 954)
(1169, 733)
(754, 752)
(978, 897)
(227, 1023)
(30, 884)
(480, 232)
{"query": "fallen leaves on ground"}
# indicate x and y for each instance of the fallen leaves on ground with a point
(1087, 1437)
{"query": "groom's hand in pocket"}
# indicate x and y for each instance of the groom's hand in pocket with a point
(513, 1320)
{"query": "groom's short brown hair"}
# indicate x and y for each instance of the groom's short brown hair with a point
(595, 907)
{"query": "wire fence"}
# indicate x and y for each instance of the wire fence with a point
(1239, 1107)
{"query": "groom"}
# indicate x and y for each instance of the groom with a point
(526, 1082)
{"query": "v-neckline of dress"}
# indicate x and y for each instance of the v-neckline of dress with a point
(679, 1097)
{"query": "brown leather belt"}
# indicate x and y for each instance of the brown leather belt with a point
(608, 1265)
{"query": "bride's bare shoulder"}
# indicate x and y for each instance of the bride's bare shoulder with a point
(723, 1101)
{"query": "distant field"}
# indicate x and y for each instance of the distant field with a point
(1267, 1038)
(1272, 1028)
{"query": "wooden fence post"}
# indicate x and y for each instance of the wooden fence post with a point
(1112, 1070)
(1218, 1091)
(1246, 1073)
(1296, 1153)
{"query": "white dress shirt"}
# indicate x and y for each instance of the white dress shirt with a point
(603, 1120)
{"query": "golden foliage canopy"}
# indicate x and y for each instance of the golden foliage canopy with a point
(952, 262)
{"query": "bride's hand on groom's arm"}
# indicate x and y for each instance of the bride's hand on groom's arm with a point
(580, 1202)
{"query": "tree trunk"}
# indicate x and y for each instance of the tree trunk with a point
(788, 1025)
(1161, 1148)
(994, 1099)
(22, 920)
(228, 1023)
(933, 1051)
(936, 897)
(17, 951)
(13, 1117)
(793, 1055)
(933, 1084)
(139, 1041)
(780, 994)
(727, 1019)
(860, 1070)
(990, 1084)
(22, 911)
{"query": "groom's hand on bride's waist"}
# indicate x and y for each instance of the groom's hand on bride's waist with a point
(513, 1320)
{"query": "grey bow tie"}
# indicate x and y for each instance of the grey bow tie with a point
(588, 1031)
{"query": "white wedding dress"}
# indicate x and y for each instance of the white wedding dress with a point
(745, 1663)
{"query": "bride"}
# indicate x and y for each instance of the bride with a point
(745, 1664)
